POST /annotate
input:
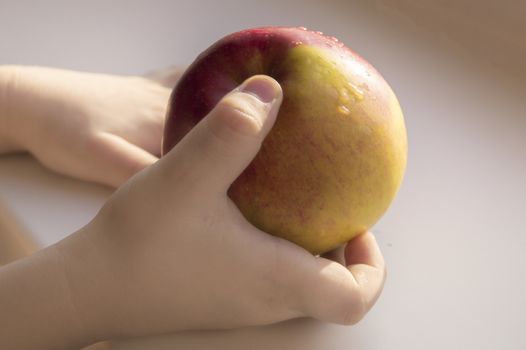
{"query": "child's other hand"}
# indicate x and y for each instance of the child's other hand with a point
(170, 251)
(95, 127)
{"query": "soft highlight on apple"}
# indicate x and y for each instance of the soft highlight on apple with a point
(335, 158)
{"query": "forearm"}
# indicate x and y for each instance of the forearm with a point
(37, 311)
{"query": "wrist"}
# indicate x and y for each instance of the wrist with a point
(35, 301)
(27, 99)
(9, 133)
(88, 274)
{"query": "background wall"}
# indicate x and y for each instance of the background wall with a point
(491, 30)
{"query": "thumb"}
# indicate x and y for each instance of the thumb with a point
(224, 143)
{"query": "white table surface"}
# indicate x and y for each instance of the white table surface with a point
(454, 239)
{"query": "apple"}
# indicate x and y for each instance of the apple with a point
(336, 156)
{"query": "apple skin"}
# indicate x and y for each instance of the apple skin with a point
(336, 156)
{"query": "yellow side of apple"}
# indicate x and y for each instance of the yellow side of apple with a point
(335, 158)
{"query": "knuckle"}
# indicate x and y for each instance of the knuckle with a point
(228, 139)
(354, 310)
(235, 124)
(240, 114)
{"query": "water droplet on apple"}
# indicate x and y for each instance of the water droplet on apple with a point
(302, 28)
(335, 39)
(355, 91)
(319, 33)
(344, 110)
(297, 43)
(343, 96)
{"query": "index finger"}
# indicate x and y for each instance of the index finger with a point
(365, 261)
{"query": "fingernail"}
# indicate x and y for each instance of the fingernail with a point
(264, 88)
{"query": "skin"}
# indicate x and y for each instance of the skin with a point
(95, 127)
(335, 159)
(170, 251)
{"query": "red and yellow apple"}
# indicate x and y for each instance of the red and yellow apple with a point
(335, 158)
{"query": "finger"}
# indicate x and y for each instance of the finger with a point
(366, 263)
(331, 292)
(222, 145)
(337, 254)
(117, 159)
(363, 250)
(167, 77)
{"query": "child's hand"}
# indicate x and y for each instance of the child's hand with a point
(170, 251)
(95, 127)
